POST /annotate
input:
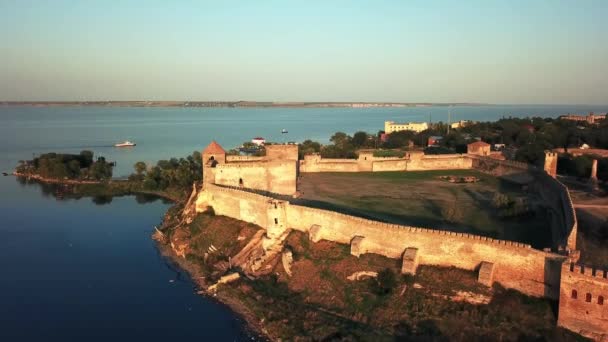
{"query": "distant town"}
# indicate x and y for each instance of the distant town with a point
(231, 104)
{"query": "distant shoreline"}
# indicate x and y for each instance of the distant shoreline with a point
(232, 104)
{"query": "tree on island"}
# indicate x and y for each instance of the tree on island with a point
(67, 166)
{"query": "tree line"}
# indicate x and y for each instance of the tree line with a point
(172, 173)
(527, 138)
(81, 166)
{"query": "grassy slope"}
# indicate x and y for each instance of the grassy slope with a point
(421, 199)
(317, 302)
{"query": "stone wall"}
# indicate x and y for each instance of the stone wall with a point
(367, 162)
(273, 176)
(239, 205)
(440, 162)
(517, 265)
(231, 158)
(281, 152)
(555, 196)
(583, 301)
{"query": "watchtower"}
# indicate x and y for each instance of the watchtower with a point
(550, 165)
(212, 155)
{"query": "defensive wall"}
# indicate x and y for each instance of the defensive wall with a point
(583, 301)
(275, 172)
(515, 265)
(512, 264)
(554, 195)
(366, 162)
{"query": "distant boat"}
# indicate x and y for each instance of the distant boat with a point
(283, 131)
(125, 143)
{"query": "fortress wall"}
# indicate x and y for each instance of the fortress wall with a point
(282, 177)
(517, 265)
(583, 300)
(416, 162)
(273, 176)
(500, 167)
(281, 152)
(379, 165)
(233, 159)
(233, 203)
(439, 162)
(329, 165)
(253, 175)
(554, 194)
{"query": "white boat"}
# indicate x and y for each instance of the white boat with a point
(283, 131)
(125, 143)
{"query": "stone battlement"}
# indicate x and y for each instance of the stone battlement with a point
(387, 227)
(591, 272)
(237, 192)
(230, 158)
(241, 164)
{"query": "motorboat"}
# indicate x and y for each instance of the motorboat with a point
(125, 143)
(283, 131)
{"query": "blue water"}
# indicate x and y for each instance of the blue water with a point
(75, 270)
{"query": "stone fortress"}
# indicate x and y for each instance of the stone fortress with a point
(232, 186)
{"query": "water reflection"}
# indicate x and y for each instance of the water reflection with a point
(63, 192)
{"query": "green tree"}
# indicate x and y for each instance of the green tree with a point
(341, 140)
(140, 167)
(360, 139)
(308, 147)
(87, 158)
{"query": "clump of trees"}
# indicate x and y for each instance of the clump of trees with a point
(526, 138)
(68, 166)
(172, 173)
(342, 145)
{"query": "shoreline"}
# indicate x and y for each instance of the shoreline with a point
(251, 322)
(45, 180)
(54, 180)
(238, 104)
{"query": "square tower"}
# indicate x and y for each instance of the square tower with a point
(212, 155)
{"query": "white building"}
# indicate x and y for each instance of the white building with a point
(391, 126)
(259, 141)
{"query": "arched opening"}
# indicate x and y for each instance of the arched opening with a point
(574, 294)
(588, 298)
(600, 300)
(276, 221)
(241, 182)
(211, 161)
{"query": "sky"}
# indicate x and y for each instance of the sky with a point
(484, 51)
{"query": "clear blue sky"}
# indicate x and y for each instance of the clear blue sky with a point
(545, 52)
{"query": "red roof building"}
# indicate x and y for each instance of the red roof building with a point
(479, 148)
(214, 148)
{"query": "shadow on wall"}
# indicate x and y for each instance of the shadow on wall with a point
(553, 271)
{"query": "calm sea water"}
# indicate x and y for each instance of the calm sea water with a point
(75, 270)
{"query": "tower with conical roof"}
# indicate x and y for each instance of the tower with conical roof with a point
(212, 155)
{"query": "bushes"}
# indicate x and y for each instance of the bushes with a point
(384, 283)
(70, 166)
(389, 153)
(178, 173)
